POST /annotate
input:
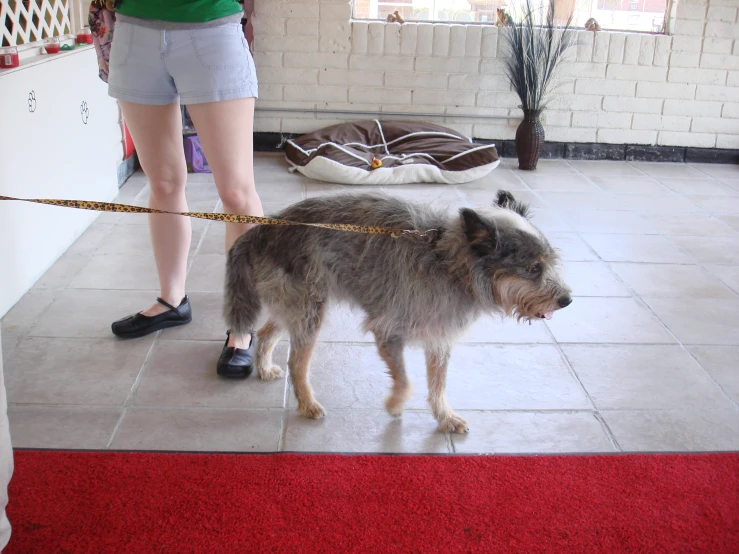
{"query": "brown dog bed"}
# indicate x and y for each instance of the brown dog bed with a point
(409, 152)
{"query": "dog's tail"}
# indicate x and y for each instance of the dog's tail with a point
(242, 305)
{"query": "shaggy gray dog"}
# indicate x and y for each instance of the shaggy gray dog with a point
(412, 289)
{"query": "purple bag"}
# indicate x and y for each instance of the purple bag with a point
(194, 156)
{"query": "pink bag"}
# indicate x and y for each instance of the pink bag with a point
(102, 22)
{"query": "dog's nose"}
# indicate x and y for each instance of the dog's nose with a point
(564, 301)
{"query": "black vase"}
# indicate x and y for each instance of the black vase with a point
(529, 140)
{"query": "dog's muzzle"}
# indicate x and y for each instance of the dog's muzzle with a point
(562, 302)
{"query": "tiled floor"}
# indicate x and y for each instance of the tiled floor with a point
(646, 358)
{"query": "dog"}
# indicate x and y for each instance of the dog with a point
(413, 290)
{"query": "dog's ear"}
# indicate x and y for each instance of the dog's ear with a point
(480, 234)
(506, 200)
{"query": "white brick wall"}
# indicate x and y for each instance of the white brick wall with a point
(680, 90)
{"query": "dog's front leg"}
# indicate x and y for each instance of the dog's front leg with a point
(391, 351)
(437, 361)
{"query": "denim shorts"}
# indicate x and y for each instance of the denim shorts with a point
(151, 66)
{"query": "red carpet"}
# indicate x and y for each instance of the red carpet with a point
(177, 503)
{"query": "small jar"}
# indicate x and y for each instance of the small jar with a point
(9, 57)
(84, 36)
(52, 45)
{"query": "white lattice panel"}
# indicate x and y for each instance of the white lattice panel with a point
(24, 21)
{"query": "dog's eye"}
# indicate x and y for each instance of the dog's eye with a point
(536, 268)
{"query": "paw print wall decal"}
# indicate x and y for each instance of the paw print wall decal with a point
(32, 101)
(84, 112)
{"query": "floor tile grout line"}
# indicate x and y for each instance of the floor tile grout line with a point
(129, 398)
(285, 405)
(378, 409)
(283, 430)
(517, 175)
(202, 239)
(708, 273)
(711, 378)
(574, 375)
(609, 434)
(28, 333)
(727, 285)
(640, 300)
(704, 173)
(185, 407)
(634, 295)
(461, 343)
(607, 430)
(640, 215)
(115, 428)
(671, 410)
(697, 264)
(381, 453)
(685, 349)
(142, 369)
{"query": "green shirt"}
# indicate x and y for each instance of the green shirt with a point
(186, 11)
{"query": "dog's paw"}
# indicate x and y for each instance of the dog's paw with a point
(453, 424)
(312, 410)
(394, 407)
(270, 373)
(396, 401)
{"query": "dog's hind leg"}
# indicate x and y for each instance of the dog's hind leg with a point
(303, 335)
(437, 362)
(391, 351)
(267, 338)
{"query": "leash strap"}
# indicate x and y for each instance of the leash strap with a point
(229, 218)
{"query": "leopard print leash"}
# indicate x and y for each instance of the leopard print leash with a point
(229, 218)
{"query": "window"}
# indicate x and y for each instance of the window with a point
(624, 15)
(27, 21)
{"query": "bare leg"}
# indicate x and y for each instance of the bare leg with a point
(226, 132)
(391, 351)
(157, 134)
(436, 368)
(302, 342)
(267, 338)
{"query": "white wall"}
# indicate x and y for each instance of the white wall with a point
(51, 153)
(680, 90)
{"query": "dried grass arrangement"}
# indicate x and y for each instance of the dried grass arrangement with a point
(536, 47)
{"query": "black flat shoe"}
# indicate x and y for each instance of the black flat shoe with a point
(138, 325)
(236, 362)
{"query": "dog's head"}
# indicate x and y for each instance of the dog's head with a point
(513, 264)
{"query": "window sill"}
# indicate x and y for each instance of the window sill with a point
(483, 24)
(38, 59)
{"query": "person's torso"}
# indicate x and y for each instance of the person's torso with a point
(186, 11)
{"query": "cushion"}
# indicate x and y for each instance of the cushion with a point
(409, 152)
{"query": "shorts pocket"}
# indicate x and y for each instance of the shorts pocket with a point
(221, 47)
(120, 49)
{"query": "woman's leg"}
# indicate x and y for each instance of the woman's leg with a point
(225, 130)
(157, 135)
(6, 459)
